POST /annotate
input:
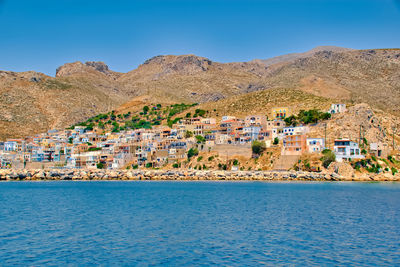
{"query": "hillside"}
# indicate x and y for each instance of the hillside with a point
(32, 102)
(187, 78)
(371, 76)
(293, 56)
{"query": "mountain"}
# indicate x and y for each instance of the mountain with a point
(32, 102)
(371, 76)
(293, 56)
(187, 78)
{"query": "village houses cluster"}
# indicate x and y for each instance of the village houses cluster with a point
(82, 148)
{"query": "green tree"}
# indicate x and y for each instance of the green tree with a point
(175, 165)
(276, 141)
(145, 109)
(100, 165)
(188, 134)
(200, 139)
(192, 152)
(258, 147)
(200, 112)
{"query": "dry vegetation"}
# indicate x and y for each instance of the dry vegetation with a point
(31, 102)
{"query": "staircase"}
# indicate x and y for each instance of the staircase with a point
(285, 162)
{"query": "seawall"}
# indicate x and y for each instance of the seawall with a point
(78, 174)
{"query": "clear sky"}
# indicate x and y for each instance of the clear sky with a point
(44, 34)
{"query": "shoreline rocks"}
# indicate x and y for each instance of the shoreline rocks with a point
(189, 175)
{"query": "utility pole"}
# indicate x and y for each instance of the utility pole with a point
(326, 143)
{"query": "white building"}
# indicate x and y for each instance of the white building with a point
(227, 118)
(298, 130)
(346, 150)
(337, 108)
(315, 145)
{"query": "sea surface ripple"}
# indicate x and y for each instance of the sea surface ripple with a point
(173, 223)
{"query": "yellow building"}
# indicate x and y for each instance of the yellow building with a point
(280, 113)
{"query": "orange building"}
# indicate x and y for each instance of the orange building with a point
(294, 144)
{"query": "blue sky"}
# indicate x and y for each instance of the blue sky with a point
(44, 34)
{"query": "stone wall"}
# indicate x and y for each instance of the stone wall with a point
(68, 174)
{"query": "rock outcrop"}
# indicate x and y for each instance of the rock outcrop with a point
(92, 67)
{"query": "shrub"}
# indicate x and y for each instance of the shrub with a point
(357, 167)
(394, 170)
(328, 158)
(210, 158)
(149, 165)
(276, 141)
(134, 167)
(307, 116)
(145, 109)
(365, 141)
(175, 165)
(172, 122)
(199, 112)
(100, 165)
(200, 139)
(94, 148)
(192, 152)
(258, 147)
(199, 158)
(235, 162)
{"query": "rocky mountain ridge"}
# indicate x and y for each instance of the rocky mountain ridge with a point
(33, 102)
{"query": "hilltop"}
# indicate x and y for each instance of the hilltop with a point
(32, 102)
(293, 56)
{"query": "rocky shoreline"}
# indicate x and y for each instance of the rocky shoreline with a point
(77, 174)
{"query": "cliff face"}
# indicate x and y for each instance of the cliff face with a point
(32, 102)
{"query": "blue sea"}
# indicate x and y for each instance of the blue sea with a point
(141, 223)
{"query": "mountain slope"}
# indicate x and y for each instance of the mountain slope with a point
(186, 78)
(371, 76)
(293, 56)
(32, 102)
